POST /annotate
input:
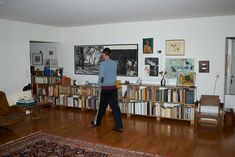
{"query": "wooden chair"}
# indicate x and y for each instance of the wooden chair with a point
(10, 115)
(205, 117)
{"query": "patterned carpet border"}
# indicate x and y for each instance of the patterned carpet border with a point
(70, 147)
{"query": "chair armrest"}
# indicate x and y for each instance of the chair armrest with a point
(15, 108)
(221, 108)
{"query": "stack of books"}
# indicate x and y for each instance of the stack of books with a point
(26, 101)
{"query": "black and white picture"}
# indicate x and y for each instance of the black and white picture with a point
(153, 66)
(87, 59)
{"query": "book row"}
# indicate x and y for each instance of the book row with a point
(175, 95)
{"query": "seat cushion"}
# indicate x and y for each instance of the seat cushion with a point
(11, 118)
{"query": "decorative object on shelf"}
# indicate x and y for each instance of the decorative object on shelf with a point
(163, 80)
(175, 47)
(153, 66)
(176, 65)
(87, 59)
(148, 45)
(186, 79)
(37, 58)
(204, 66)
(139, 81)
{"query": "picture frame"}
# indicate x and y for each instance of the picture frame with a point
(153, 66)
(37, 59)
(204, 66)
(175, 47)
(148, 45)
(51, 52)
(87, 59)
(51, 63)
(186, 79)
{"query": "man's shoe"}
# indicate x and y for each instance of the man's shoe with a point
(118, 130)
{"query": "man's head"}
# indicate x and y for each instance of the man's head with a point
(106, 53)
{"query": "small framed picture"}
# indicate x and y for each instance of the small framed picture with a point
(186, 79)
(51, 52)
(175, 47)
(53, 63)
(37, 58)
(148, 45)
(204, 66)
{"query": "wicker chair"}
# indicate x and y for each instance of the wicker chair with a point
(9, 115)
(205, 117)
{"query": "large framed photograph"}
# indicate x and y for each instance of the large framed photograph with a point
(204, 66)
(175, 47)
(87, 59)
(37, 58)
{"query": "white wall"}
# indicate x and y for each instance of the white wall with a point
(204, 40)
(15, 40)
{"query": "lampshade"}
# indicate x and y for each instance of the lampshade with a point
(27, 87)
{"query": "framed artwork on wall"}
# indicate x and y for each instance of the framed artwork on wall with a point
(87, 59)
(148, 45)
(37, 58)
(176, 65)
(51, 52)
(186, 79)
(175, 47)
(204, 66)
(153, 66)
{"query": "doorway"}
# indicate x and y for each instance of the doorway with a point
(230, 72)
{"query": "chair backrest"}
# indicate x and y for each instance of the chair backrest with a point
(209, 100)
(4, 106)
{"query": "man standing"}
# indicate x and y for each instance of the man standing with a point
(107, 84)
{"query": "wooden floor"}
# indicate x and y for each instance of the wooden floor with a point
(164, 137)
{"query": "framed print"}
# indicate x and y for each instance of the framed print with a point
(53, 63)
(175, 47)
(37, 58)
(46, 62)
(148, 45)
(175, 65)
(186, 79)
(204, 66)
(153, 66)
(51, 52)
(87, 59)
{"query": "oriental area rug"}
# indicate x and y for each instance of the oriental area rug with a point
(45, 145)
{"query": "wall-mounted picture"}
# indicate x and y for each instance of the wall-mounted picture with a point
(51, 52)
(153, 66)
(175, 47)
(176, 65)
(87, 59)
(148, 45)
(37, 58)
(204, 66)
(186, 79)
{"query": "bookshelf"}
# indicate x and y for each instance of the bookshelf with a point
(172, 102)
(59, 91)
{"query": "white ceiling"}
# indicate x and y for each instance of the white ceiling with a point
(66, 13)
